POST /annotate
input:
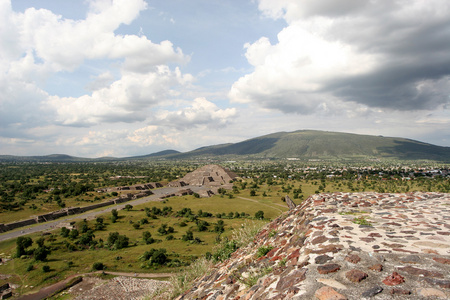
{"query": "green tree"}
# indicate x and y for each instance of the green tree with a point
(22, 244)
(259, 215)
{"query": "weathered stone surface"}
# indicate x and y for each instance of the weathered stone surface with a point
(356, 275)
(321, 259)
(442, 260)
(329, 268)
(319, 240)
(442, 283)
(372, 291)
(328, 293)
(325, 237)
(416, 271)
(394, 279)
(376, 267)
(430, 292)
(333, 283)
(291, 279)
(354, 259)
(397, 291)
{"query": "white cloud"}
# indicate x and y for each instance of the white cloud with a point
(125, 100)
(387, 54)
(201, 113)
(38, 44)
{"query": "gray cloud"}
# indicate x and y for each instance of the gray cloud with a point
(383, 54)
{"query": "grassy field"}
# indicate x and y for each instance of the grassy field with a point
(64, 262)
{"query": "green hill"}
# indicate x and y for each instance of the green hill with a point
(301, 144)
(312, 144)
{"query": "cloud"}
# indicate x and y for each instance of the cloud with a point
(125, 100)
(37, 45)
(382, 54)
(201, 113)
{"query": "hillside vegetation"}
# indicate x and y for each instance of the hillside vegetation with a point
(311, 144)
(301, 145)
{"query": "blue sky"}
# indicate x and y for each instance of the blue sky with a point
(130, 77)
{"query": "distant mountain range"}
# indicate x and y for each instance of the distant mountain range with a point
(302, 144)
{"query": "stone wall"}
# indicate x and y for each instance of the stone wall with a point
(342, 246)
(70, 211)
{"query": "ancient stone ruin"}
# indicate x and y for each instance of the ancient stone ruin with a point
(342, 246)
(209, 175)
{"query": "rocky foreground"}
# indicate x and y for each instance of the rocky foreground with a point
(343, 246)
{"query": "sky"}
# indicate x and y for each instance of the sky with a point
(94, 78)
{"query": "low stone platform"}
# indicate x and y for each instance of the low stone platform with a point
(343, 246)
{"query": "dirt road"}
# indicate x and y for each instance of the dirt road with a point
(49, 226)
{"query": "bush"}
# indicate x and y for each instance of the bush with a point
(263, 250)
(117, 241)
(98, 266)
(183, 281)
(156, 256)
(64, 232)
(22, 243)
(147, 237)
(41, 253)
(259, 215)
(46, 269)
(189, 236)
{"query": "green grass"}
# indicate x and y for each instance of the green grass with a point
(81, 261)
(361, 221)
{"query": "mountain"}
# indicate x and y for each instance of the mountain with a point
(45, 158)
(160, 154)
(301, 144)
(313, 144)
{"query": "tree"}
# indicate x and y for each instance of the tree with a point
(128, 207)
(189, 236)
(147, 237)
(117, 241)
(41, 253)
(219, 228)
(22, 243)
(259, 215)
(64, 232)
(98, 266)
(73, 234)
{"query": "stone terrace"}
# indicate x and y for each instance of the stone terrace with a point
(343, 246)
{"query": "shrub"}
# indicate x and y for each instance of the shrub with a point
(147, 237)
(98, 266)
(64, 232)
(117, 241)
(263, 250)
(183, 281)
(189, 236)
(41, 253)
(46, 268)
(22, 243)
(259, 215)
